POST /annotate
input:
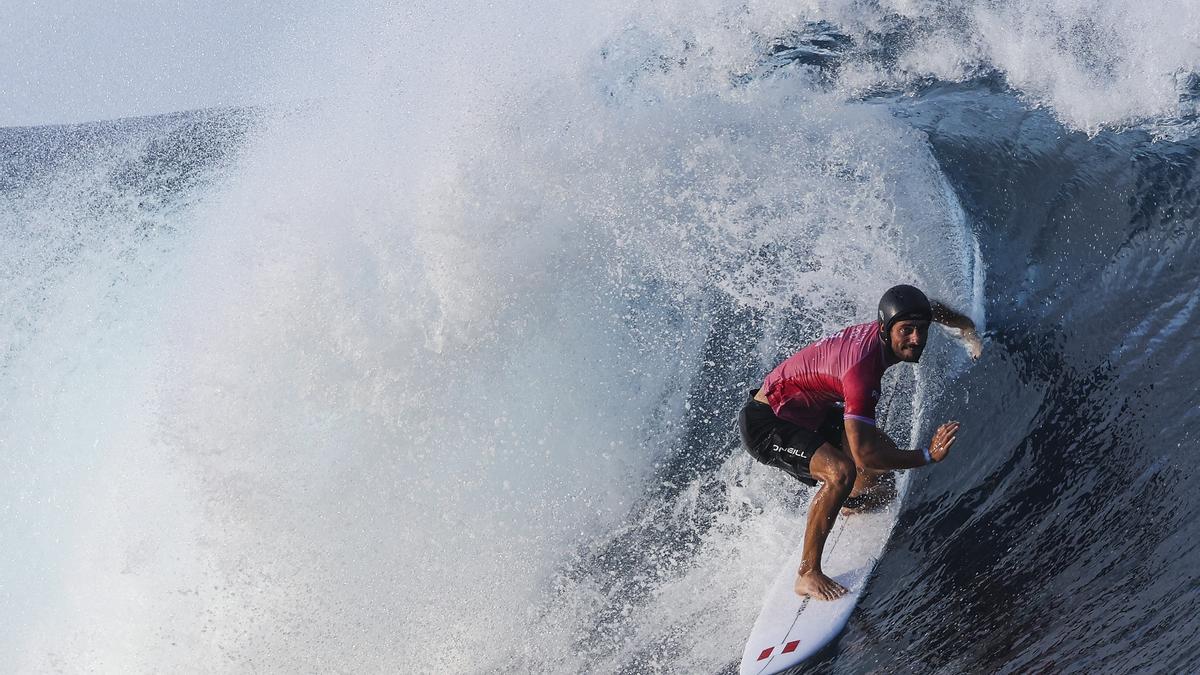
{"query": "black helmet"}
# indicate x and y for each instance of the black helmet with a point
(902, 303)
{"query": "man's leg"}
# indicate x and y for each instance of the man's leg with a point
(867, 479)
(873, 488)
(837, 474)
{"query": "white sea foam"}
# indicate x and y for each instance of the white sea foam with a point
(1093, 64)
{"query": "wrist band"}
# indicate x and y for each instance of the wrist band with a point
(928, 457)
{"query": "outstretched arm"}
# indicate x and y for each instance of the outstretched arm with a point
(966, 327)
(948, 317)
(872, 449)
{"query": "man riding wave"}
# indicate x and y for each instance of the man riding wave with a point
(814, 418)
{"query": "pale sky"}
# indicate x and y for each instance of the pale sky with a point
(64, 61)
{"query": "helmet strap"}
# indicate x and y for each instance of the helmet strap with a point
(884, 336)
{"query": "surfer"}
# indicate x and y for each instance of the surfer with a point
(814, 418)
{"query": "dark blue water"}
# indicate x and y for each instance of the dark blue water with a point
(1063, 536)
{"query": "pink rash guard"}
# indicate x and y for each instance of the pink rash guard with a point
(847, 366)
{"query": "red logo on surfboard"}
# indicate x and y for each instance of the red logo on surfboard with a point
(787, 649)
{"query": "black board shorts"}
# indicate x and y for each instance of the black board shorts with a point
(783, 445)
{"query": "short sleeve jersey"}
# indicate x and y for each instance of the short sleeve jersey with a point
(845, 367)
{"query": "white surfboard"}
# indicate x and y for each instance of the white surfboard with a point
(789, 628)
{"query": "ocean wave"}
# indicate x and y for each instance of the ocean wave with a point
(440, 377)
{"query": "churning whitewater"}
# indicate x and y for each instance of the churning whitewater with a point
(437, 370)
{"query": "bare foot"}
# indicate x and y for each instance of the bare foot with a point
(816, 585)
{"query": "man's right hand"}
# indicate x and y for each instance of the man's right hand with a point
(943, 438)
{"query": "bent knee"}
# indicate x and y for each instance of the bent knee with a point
(839, 472)
(844, 476)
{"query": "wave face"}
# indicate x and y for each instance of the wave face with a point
(437, 374)
(1064, 540)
